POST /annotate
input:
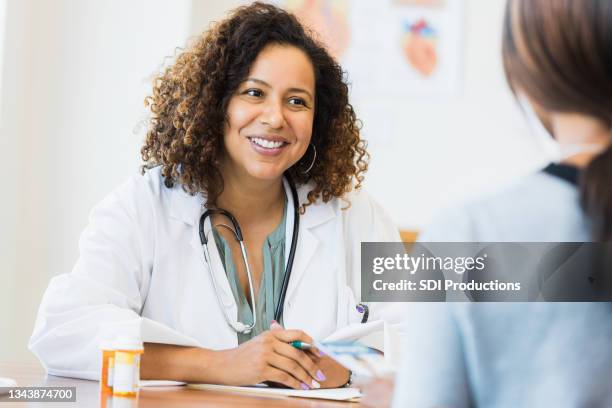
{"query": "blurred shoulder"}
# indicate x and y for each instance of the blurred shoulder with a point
(538, 207)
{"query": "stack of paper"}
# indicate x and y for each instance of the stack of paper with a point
(6, 382)
(337, 394)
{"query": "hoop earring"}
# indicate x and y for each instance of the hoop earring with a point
(314, 158)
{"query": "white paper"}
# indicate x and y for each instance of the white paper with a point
(7, 382)
(161, 383)
(337, 394)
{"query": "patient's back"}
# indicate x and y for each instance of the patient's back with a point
(510, 354)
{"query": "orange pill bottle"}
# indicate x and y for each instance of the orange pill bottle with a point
(126, 376)
(108, 367)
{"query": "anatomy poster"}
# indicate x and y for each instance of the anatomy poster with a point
(391, 48)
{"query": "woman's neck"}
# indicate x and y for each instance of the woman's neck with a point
(248, 198)
(576, 132)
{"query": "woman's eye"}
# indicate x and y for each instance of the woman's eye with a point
(253, 92)
(297, 101)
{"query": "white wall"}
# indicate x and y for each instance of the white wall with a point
(11, 119)
(2, 34)
(8, 208)
(73, 97)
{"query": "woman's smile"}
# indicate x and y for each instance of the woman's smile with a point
(268, 145)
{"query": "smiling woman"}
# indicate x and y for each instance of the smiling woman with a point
(190, 104)
(253, 135)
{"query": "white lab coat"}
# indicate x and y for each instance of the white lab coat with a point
(141, 272)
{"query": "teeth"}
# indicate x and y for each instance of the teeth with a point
(268, 144)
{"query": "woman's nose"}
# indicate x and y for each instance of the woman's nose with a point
(272, 115)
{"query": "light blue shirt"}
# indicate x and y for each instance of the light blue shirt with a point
(510, 354)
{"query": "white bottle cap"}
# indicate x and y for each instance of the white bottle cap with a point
(107, 345)
(128, 343)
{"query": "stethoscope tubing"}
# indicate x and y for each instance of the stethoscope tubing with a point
(278, 314)
(239, 326)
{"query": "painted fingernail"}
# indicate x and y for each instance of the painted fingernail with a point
(304, 386)
(321, 376)
(315, 385)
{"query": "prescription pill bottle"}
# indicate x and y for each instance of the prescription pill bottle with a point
(108, 367)
(127, 367)
(106, 400)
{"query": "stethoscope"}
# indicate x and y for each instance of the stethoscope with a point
(238, 326)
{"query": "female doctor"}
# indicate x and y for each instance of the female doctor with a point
(250, 109)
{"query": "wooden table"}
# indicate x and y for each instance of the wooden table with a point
(87, 395)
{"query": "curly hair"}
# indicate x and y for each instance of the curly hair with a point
(190, 98)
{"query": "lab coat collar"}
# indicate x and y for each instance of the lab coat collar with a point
(317, 213)
(184, 206)
(188, 208)
(308, 243)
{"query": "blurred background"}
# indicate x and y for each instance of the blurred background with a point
(426, 80)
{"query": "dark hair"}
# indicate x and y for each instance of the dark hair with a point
(190, 99)
(559, 53)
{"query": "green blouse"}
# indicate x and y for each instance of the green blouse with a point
(271, 279)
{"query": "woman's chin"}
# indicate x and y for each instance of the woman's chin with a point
(266, 174)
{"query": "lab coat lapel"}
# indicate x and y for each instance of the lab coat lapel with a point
(308, 242)
(306, 248)
(188, 209)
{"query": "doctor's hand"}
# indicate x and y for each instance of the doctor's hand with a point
(336, 375)
(266, 358)
(270, 357)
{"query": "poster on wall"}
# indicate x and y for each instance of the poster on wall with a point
(392, 48)
(328, 19)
